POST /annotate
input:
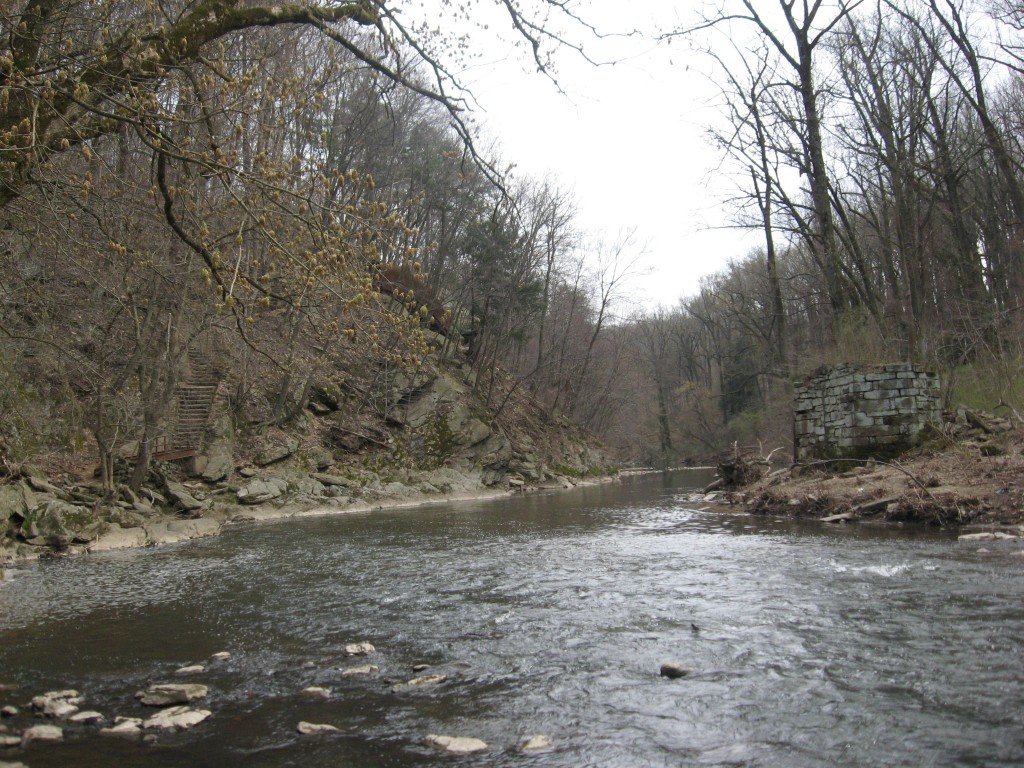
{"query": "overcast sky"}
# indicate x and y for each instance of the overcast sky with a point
(629, 140)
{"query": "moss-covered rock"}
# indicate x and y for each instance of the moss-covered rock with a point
(57, 524)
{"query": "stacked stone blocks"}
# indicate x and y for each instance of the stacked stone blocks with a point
(862, 411)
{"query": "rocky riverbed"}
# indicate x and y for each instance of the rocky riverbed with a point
(166, 707)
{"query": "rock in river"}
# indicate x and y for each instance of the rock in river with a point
(166, 694)
(361, 671)
(672, 670)
(42, 733)
(88, 716)
(124, 726)
(57, 704)
(456, 745)
(426, 681)
(177, 718)
(537, 743)
(359, 649)
(313, 729)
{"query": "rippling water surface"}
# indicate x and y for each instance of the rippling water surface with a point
(551, 614)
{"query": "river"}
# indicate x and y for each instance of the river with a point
(551, 614)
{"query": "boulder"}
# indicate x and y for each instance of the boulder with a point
(192, 669)
(171, 531)
(167, 694)
(221, 655)
(129, 518)
(176, 718)
(316, 692)
(398, 491)
(456, 745)
(314, 729)
(309, 486)
(218, 467)
(9, 711)
(495, 451)
(16, 500)
(181, 496)
(117, 537)
(57, 522)
(261, 490)
(319, 457)
(275, 450)
(424, 403)
(333, 480)
(9, 740)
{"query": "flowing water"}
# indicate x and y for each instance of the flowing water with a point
(811, 645)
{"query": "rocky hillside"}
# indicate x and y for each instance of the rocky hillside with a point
(433, 438)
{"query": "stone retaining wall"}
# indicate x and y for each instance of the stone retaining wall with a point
(862, 411)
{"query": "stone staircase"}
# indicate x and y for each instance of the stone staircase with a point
(195, 397)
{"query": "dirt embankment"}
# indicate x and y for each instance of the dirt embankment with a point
(971, 472)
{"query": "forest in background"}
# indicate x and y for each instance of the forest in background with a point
(297, 192)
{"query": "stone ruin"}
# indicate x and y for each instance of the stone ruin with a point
(849, 411)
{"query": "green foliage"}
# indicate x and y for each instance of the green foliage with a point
(438, 442)
(983, 386)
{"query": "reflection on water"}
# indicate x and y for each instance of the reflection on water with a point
(551, 614)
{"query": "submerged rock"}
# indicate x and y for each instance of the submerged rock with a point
(166, 694)
(426, 681)
(42, 733)
(221, 655)
(192, 669)
(456, 745)
(673, 671)
(316, 692)
(365, 670)
(538, 743)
